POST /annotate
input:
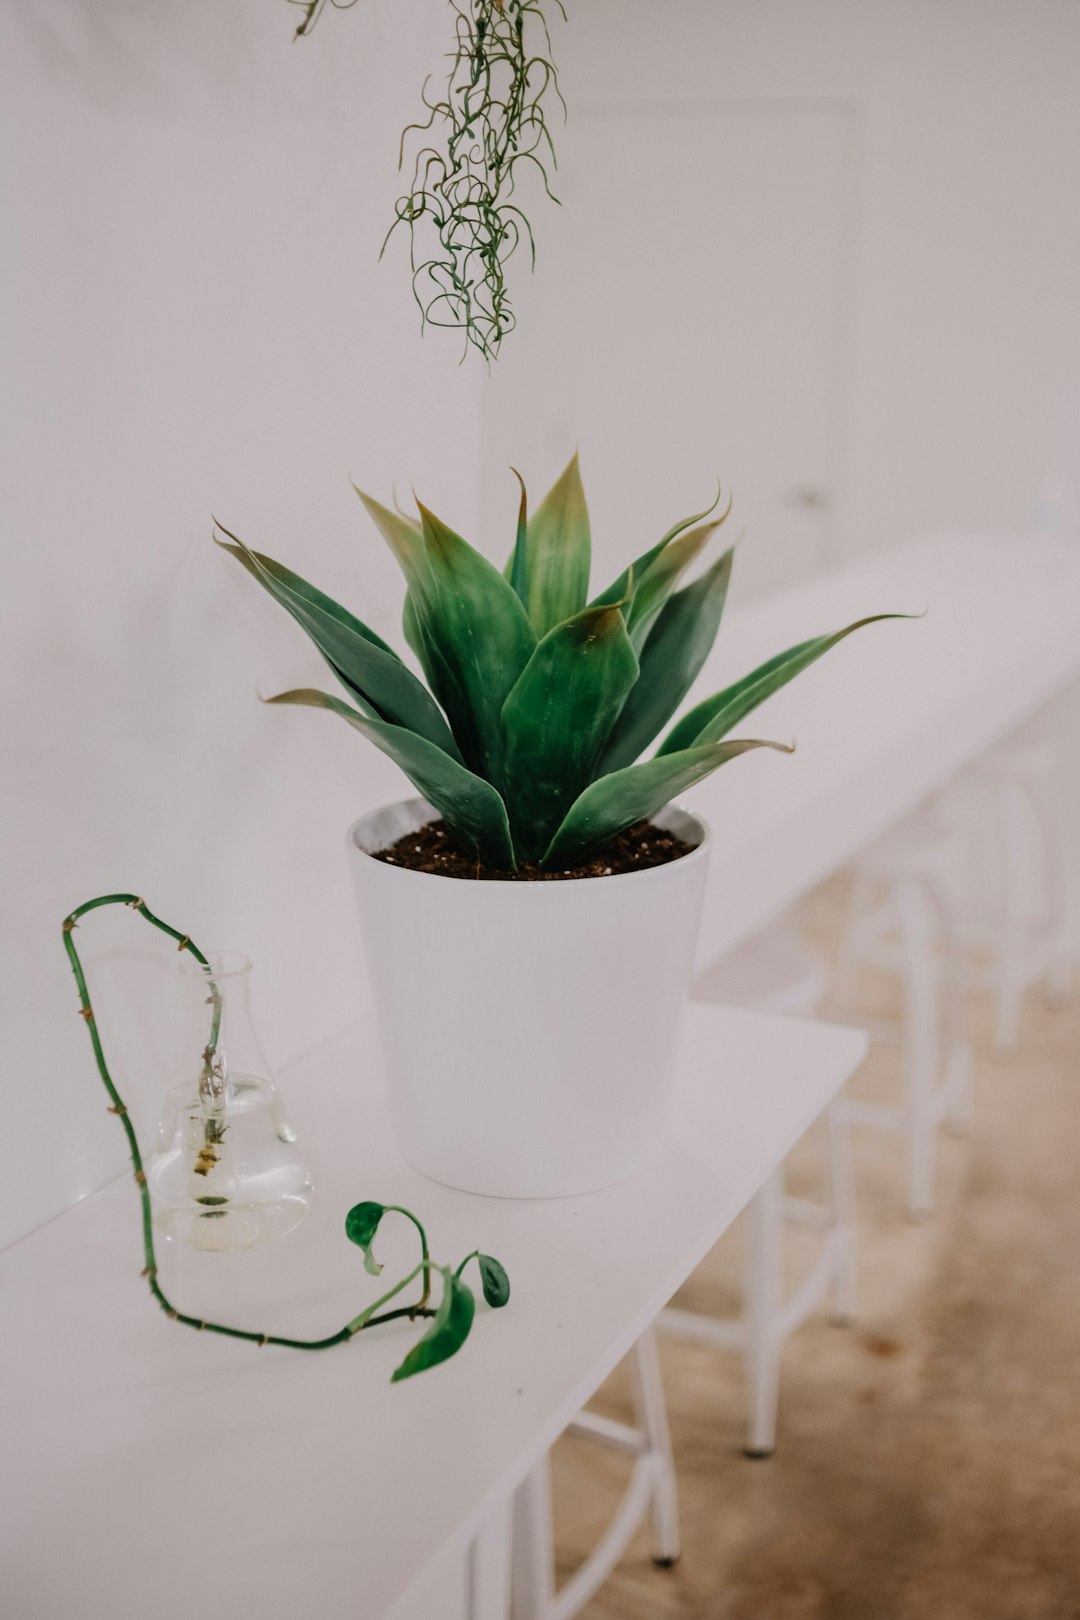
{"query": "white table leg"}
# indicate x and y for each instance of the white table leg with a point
(487, 1569)
(653, 1421)
(764, 1282)
(533, 1575)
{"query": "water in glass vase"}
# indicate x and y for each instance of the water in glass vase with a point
(227, 1172)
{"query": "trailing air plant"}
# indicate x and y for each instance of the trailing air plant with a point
(448, 1323)
(313, 9)
(541, 701)
(486, 123)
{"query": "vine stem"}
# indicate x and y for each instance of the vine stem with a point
(118, 1107)
(425, 1262)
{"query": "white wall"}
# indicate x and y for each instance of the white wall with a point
(194, 321)
(958, 357)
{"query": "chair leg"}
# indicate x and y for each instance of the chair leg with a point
(846, 970)
(958, 1074)
(1060, 896)
(653, 1422)
(921, 1039)
(842, 1198)
(1012, 842)
(960, 1085)
(532, 1572)
(764, 1280)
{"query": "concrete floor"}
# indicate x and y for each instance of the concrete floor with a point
(928, 1465)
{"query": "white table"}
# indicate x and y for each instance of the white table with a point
(151, 1470)
(887, 717)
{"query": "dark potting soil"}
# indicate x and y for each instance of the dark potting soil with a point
(432, 849)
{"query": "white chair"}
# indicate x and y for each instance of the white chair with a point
(650, 1492)
(775, 972)
(1017, 884)
(901, 917)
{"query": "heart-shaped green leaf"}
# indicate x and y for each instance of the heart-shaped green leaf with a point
(715, 717)
(671, 660)
(469, 805)
(616, 802)
(448, 1330)
(550, 567)
(369, 669)
(494, 1281)
(558, 717)
(361, 1225)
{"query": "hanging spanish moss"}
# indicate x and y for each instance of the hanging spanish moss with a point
(312, 10)
(486, 128)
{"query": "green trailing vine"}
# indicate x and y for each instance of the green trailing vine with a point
(450, 1321)
(485, 128)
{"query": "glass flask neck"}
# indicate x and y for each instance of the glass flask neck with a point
(222, 1042)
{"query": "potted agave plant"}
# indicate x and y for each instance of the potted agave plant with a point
(530, 921)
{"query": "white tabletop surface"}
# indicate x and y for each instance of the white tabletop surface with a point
(151, 1470)
(885, 718)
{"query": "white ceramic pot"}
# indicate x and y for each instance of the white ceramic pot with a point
(530, 1029)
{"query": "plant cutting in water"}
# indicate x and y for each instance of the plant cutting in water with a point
(450, 1320)
(541, 700)
(485, 126)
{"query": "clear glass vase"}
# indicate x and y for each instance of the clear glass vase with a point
(226, 1172)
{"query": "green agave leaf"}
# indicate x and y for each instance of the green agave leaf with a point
(613, 803)
(469, 630)
(448, 1330)
(367, 667)
(714, 718)
(617, 591)
(275, 577)
(361, 1224)
(671, 660)
(517, 569)
(406, 542)
(401, 534)
(414, 635)
(476, 627)
(469, 805)
(493, 1279)
(661, 578)
(550, 568)
(558, 717)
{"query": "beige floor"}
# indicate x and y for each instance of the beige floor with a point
(929, 1459)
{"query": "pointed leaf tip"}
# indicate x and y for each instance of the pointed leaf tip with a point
(717, 715)
(361, 1225)
(612, 803)
(558, 546)
(471, 807)
(448, 1330)
(671, 659)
